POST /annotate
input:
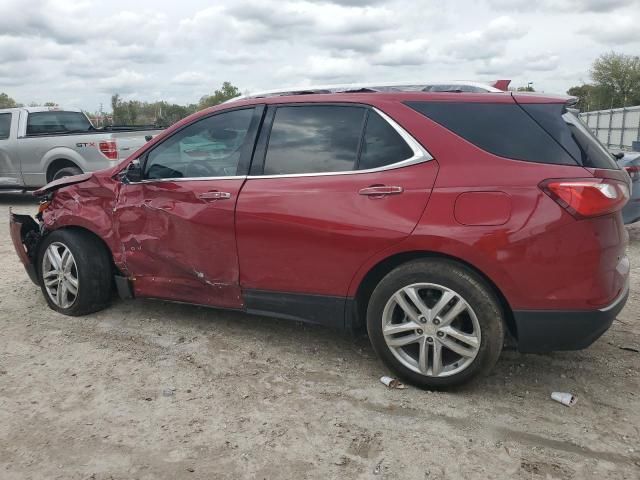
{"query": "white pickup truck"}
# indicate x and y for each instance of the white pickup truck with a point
(38, 145)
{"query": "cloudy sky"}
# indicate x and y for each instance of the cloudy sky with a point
(78, 52)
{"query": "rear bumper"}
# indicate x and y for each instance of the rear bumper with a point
(25, 235)
(549, 330)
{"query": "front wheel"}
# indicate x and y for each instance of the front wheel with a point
(74, 269)
(435, 323)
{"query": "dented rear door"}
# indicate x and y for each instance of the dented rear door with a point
(176, 226)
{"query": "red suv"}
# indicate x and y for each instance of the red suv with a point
(440, 221)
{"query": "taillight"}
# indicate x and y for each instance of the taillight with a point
(590, 197)
(109, 149)
(633, 171)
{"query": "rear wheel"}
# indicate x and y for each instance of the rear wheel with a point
(66, 172)
(435, 323)
(74, 270)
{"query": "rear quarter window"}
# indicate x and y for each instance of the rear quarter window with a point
(503, 129)
(574, 136)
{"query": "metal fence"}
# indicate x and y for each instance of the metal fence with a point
(615, 128)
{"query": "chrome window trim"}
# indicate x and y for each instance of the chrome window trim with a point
(188, 179)
(420, 155)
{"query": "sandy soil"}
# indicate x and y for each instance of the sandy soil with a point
(151, 390)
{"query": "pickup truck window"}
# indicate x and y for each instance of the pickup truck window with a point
(5, 125)
(57, 122)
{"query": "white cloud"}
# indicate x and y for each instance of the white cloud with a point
(403, 52)
(190, 78)
(563, 6)
(488, 42)
(85, 50)
(124, 81)
(616, 30)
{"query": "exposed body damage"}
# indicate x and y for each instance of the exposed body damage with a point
(139, 236)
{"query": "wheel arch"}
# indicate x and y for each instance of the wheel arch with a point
(386, 265)
(88, 231)
(57, 164)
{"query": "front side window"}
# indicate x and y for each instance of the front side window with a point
(382, 144)
(5, 125)
(210, 147)
(55, 122)
(314, 139)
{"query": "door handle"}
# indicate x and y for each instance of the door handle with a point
(381, 190)
(214, 195)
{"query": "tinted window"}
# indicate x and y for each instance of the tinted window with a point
(382, 144)
(314, 139)
(502, 129)
(57, 122)
(572, 134)
(208, 148)
(5, 125)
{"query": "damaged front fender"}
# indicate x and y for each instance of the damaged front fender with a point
(26, 236)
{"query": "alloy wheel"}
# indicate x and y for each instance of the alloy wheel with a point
(60, 275)
(431, 329)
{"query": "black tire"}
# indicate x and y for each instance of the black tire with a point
(465, 282)
(66, 172)
(93, 269)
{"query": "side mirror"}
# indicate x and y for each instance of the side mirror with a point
(618, 156)
(133, 173)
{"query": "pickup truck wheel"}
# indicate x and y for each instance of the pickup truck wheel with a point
(74, 270)
(66, 172)
(435, 323)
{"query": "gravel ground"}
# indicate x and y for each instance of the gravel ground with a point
(153, 390)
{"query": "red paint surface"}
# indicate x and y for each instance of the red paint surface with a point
(177, 245)
(318, 235)
(310, 234)
(482, 208)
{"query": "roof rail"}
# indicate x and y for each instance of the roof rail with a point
(452, 86)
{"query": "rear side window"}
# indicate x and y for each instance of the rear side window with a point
(314, 139)
(5, 125)
(382, 144)
(55, 122)
(505, 130)
(572, 134)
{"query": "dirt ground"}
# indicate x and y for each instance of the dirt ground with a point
(148, 390)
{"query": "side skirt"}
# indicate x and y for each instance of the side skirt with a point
(319, 309)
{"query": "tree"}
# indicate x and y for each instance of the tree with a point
(7, 102)
(50, 104)
(226, 92)
(619, 76)
(116, 103)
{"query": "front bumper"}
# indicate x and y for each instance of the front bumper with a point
(549, 330)
(25, 235)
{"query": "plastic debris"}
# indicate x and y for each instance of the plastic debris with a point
(393, 383)
(629, 349)
(567, 399)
